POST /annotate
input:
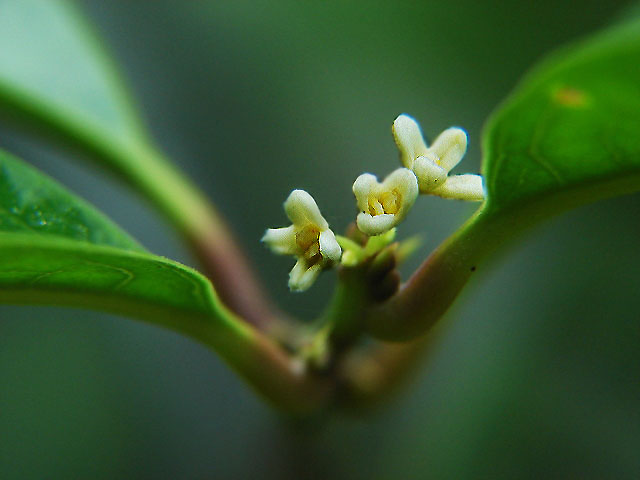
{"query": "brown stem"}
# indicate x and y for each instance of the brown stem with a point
(370, 376)
(234, 281)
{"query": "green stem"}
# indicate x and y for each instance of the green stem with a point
(275, 374)
(368, 376)
(342, 323)
(431, 290)
(345, 314)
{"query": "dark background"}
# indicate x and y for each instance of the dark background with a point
(538, 372)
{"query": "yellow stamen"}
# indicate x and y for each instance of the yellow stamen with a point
(391, 201)
(314, 249)
(375, 207)
(307, 237)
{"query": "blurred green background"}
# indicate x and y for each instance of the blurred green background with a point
(538, 372)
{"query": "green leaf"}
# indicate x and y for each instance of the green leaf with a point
(52, 67)
(32, 203)
(56, 76)
(55, 247)
(54, 270)
(57, 79)
(568, 135)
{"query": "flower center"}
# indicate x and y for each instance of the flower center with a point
(389, 202)
(308, 241)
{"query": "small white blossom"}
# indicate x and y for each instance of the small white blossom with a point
(383, 205)
(309, 239)
(432, 165)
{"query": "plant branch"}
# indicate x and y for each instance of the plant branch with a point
(208, 234)
(433, 287)
(369, 376)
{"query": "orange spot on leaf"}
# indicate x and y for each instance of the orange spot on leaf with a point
(570, 97)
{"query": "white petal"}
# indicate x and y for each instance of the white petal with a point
(329, 247)
(363, 185)
(375, 225)
(301, 277)
(450, 147)
(462, 187)
(282, 240)
(409, 139)
(430, 175)
(403, 181)
(302, 210)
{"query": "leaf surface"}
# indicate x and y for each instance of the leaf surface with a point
(570, 133)
(38, 269)
(32, 203)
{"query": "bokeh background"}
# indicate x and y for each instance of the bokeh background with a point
(537, 374)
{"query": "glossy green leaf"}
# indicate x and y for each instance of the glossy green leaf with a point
(54, 270)
(569, 134)
(33, 203)
(56, 247)
(57, 80)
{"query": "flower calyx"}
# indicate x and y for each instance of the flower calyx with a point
(354, 253)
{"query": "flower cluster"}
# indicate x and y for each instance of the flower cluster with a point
(382, 205)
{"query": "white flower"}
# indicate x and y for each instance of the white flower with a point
(309, 239)
(383, 205)
(433, 164)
